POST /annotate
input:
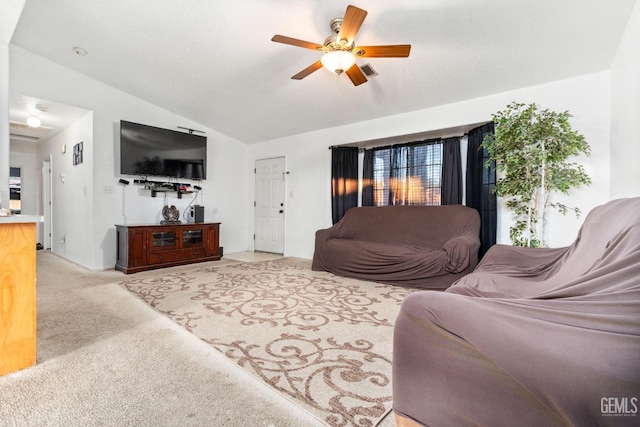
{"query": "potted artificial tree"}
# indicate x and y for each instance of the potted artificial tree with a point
(531, 149)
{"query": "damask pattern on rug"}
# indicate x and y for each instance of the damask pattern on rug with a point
(322, 340)
(282, 299)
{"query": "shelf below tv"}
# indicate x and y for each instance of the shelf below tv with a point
(163, 187)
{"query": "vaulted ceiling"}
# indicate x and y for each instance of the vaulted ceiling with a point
(214, 61)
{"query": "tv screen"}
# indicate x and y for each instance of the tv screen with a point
(151, 151)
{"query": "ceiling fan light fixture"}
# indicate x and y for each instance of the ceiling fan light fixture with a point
(338, 61)
(33, 121)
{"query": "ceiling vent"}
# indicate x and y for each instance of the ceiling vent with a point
(368, 70)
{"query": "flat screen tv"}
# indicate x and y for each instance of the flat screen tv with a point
(152, 151)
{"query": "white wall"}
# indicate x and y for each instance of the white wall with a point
(71, 192)
(307, 188)
(625, 112)
(10, 11)
(4, 126)
(308, 156)
(224, 191)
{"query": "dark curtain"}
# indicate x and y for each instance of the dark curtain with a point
(367, 178)
(451, 172)
(344, 180)
(480, 182)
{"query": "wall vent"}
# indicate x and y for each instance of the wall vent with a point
(368, 70)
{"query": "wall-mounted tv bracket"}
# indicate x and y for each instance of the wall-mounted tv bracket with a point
(190, 130)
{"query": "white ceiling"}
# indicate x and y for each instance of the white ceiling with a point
(55, 117)
(212, 61)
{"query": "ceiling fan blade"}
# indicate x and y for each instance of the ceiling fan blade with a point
(351, 23)
(388, 51)
(296, 42)
(310, 69)
(356, 75)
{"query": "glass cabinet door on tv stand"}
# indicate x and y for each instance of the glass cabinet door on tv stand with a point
(191, 237)
(163, 239)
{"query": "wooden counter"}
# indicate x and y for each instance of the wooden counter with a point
(17, 293)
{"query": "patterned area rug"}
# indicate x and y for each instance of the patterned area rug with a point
(322, 340)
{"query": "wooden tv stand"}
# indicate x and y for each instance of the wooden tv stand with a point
(148, 246)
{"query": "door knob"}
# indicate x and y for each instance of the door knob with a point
(280, 211)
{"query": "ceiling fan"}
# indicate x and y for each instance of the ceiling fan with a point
(340, 51)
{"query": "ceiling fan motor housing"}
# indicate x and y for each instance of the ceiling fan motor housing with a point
(336, 24)
(331, 44)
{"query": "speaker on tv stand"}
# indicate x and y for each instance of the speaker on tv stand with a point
(197, 213)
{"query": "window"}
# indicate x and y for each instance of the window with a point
(407, 175)
(381, 168)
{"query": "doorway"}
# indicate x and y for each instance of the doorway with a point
(15, 189)
(269, 203)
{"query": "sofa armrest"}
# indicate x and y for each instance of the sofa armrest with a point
(324, 235)
(519, 261)
(462, 253)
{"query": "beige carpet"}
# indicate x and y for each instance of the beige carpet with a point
(323, 341)
(105, 358)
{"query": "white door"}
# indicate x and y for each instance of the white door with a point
(270, 189)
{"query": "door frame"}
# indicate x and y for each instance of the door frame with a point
(283, 201)
(47, 202)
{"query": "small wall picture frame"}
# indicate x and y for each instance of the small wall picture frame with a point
(77, 153)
